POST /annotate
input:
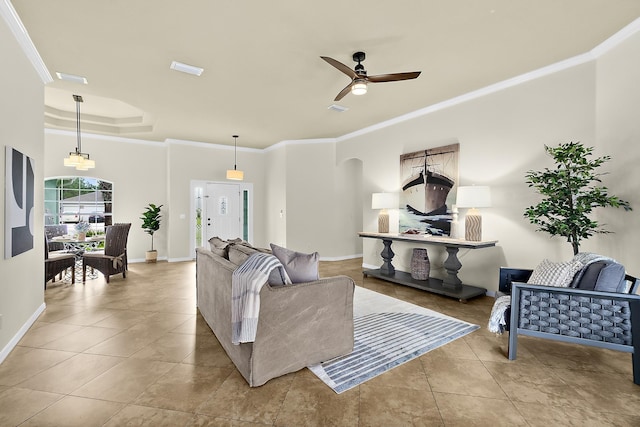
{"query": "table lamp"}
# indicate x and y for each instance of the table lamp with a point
(384, 201)
(474, 196)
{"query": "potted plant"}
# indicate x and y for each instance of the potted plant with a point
(570, 193)
(150, 224)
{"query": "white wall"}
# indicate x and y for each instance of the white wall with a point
(138, 171)
(501, 136)
(275, 212)
(22, 112)
(618, 135)
(203, 162)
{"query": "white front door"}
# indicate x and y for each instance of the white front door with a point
(222, 215)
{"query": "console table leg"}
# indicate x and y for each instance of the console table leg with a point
(387, 256)
(452, 265)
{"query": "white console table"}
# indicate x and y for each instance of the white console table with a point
(451, 286)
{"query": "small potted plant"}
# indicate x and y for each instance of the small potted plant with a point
(81, 228)
(150, 224)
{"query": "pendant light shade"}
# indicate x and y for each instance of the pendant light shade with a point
(235, 174)
(78, 159)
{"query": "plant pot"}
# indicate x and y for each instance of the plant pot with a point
(151, 256)
(82, 237)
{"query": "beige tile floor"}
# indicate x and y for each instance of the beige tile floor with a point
(136, 352)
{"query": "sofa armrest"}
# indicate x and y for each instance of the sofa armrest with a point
(301, 325)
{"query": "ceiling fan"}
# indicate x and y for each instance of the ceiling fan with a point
(359, 78)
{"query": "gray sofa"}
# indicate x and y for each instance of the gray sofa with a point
(299, 325)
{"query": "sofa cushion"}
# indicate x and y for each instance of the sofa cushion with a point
(611, 278)
(239, 253)
(559, 274)
(299, 266)
(590, 276)
(219, 247)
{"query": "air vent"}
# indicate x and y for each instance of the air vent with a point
(71, 78)
(185, 68)
(338, 108)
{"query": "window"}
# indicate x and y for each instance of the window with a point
(68, 200)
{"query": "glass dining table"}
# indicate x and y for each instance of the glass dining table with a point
(78, 247)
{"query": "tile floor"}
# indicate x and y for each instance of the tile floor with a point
(135, 352)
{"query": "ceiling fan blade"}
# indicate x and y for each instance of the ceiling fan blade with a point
(340, 66)
(343, 92)
(393, 77)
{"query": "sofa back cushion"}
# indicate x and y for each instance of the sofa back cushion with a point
(239, 253)
(219, 247)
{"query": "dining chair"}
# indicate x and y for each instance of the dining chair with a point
(57, 264)
(114, 258)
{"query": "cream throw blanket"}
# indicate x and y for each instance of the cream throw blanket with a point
(246, 283)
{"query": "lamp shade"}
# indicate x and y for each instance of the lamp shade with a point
(474, 196)
(384, 200)
(235, 174)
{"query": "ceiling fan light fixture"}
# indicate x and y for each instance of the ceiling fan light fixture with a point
(359, 87)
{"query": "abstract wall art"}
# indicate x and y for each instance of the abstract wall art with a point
(18, 203)
(429, 183)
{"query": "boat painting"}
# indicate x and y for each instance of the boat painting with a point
(428, 180)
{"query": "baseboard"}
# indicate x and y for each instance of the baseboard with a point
(181, 259)
(370, 266)
(23, 330)
(340, 258)
(139, 260)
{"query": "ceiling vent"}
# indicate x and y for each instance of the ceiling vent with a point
(71, 78)
(338, 108)
(185, 68)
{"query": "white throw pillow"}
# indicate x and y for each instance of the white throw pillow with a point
(558, 274)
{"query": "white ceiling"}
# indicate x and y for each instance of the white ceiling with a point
(264, 79)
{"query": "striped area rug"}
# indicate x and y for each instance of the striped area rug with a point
(387, 333)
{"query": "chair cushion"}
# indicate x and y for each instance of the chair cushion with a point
(299, 266)
(558, 274)
(611, 278)
(590, 276)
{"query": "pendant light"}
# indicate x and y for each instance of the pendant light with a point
(235, 174)
(78, 159)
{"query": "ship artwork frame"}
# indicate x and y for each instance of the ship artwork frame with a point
(429, 185)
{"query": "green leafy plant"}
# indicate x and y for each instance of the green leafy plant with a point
(151, 220)
(570, 194)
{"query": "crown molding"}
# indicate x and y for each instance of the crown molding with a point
(615, 40)
(171, 141)
(20, 33)
(479, 93)
(595, 53)
(301, 142)
(50, 131)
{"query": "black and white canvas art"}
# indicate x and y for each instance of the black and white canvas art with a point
(429, 185)
(18, 203)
